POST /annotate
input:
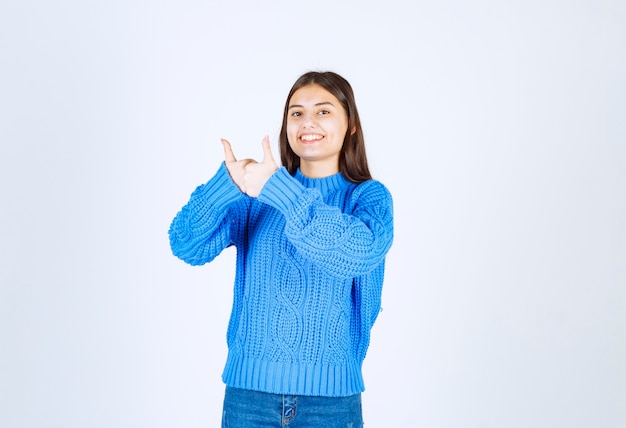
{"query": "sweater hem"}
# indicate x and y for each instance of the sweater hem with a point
(326, 380)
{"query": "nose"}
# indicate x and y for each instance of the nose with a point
(308, 120)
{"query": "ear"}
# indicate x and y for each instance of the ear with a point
(353, 130)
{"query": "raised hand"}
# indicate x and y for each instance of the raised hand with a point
(249, 175)
(236, 168)
(257, 173)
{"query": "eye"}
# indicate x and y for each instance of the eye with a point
(323, 112)
(296, 114)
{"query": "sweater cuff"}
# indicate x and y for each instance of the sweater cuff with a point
(220, 188)
(281, 191)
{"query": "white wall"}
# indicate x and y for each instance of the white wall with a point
(499, 127)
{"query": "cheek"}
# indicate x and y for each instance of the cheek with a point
(338, 126)
(292, 131)
(341, 130)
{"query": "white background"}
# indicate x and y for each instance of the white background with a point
(498, 126)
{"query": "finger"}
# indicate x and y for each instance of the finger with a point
(229, 156)
(267, 150)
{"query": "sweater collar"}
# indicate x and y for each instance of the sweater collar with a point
(324, 184)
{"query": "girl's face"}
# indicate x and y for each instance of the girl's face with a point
(316, 127)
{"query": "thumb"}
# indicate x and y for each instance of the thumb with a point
(267, 150)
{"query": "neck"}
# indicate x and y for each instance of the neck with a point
(318, 169)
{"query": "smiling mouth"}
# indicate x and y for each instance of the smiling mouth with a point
(310, 138)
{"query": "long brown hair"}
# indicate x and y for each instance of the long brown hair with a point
(352, 158)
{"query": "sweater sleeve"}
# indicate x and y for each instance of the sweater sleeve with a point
(345, 245)
(210, 221)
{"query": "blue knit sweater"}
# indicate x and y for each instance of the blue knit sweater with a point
(309, 275)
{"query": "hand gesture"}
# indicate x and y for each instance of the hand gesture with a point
(249, 175)
(236, 168)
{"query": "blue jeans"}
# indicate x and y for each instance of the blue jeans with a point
(252, 409)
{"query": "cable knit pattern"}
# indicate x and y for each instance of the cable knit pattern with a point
(309, 275)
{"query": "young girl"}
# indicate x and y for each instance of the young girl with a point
(311, 239)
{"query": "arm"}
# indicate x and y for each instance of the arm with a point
(345, 245)
(210, 221)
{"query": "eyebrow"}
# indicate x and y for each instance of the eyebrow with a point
(315, 105)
